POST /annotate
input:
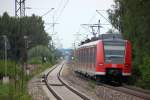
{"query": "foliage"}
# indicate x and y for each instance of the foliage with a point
(14, 90)
(145, 78)
(35, 60)
(4, 89)
(41, 68)
(39, 51)
(132, 18)
(36, 39)
(92, 84)
(8, 92)
(41, 54)
(12, 69)
(16, 29)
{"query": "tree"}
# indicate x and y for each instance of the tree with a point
(132, 18)
(16, 28)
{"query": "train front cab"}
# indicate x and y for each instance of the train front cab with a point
(113, 60)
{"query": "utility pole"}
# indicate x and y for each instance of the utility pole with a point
(53, 25)
(99, 26)
(98, 11)
(19, 8)
(53, 33)
(6, 78)
(5, 39)
(20, 12)
(93, 26)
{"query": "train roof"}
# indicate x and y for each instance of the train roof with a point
(104, 37)
(110, 36)
(93, 43)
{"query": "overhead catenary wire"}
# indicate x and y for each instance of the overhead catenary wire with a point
(55, 13)
(47, 12)
(59, 7)
(98, 11)
(90, 20)
(61, 11)
(83, 27)
(103, 15)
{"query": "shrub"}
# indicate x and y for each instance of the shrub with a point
(12, 68)
(145, 73)
(35, 60)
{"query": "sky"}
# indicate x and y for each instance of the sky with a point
(69, 16)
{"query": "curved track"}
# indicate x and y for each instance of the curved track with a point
(130, 90)
(60, 89)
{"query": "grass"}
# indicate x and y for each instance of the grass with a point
(92, 84)
(8, 92)
(14, 90)
(41, 67)
(4, 91)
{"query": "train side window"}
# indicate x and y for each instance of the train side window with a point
(91, 55)
(95, 56)
(79, 56)
(82, 55)
(85, 55)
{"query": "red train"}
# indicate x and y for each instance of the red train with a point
(108, 58)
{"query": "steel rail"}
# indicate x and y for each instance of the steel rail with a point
(127, 90)
(63, 84)
(50, 89)
(70, 88)
(140, 93)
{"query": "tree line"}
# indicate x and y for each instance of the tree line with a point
(22, 33)
(132, 19)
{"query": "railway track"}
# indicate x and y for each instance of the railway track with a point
(144, 95)
(133, 91)
(60, 89)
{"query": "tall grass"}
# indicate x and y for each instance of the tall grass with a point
(16, 88)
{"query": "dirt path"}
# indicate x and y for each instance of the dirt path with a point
(38, 90)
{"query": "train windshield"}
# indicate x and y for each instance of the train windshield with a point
(114, 52)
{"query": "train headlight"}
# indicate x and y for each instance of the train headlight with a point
(100, 64)
(126, 65)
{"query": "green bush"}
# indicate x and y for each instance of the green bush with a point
(136, 73)
(41, 67)
(4, 90)
(144, 82)
(40, 51)
(92, 84)
(13, 90)
(35, 60)
(12, 68)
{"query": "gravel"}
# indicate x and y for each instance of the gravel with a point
(88, 87)
(96, 92)
(35, 89)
